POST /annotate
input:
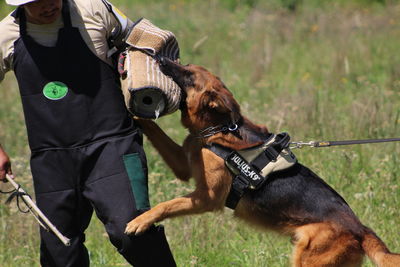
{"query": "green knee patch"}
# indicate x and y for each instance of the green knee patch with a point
(138, 180)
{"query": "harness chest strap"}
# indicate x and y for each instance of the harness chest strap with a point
(250, 167)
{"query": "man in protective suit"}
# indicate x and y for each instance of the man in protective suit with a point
(86, 150)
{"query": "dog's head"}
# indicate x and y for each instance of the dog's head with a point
(207, 102)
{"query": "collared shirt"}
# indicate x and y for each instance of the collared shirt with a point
(92, 17)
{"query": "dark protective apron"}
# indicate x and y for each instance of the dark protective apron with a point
(86, 152)
(91, 108)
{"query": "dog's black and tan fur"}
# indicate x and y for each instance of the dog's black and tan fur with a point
(295, 201)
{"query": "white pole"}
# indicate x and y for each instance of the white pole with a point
(33, 206)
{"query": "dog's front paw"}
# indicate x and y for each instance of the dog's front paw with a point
(138, 225)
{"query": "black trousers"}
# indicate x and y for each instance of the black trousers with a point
(109, 177)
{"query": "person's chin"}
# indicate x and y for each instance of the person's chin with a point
(49, 19)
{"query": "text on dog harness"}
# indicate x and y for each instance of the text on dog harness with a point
(250, 167)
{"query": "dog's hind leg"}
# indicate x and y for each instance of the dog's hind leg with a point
(301, 242)
(323, 245)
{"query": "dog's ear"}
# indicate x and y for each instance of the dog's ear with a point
(221, 103)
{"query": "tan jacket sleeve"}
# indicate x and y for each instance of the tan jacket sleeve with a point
(9, 32)
(99, 23)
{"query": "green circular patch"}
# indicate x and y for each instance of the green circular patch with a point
(55, 90)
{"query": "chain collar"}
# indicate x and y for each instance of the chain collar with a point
(210, 131)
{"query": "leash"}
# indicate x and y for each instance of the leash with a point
(302, 144)
(43, 221)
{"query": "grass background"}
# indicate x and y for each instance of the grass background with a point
(320, 70)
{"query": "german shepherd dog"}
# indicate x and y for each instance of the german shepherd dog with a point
(294, 201)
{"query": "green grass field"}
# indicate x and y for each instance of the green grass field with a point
(320, 70)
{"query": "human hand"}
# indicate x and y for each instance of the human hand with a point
(5, 165)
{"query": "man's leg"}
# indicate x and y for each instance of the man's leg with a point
(118, 198)
(58, 196)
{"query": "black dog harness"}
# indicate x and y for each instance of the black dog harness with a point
(250, 167)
